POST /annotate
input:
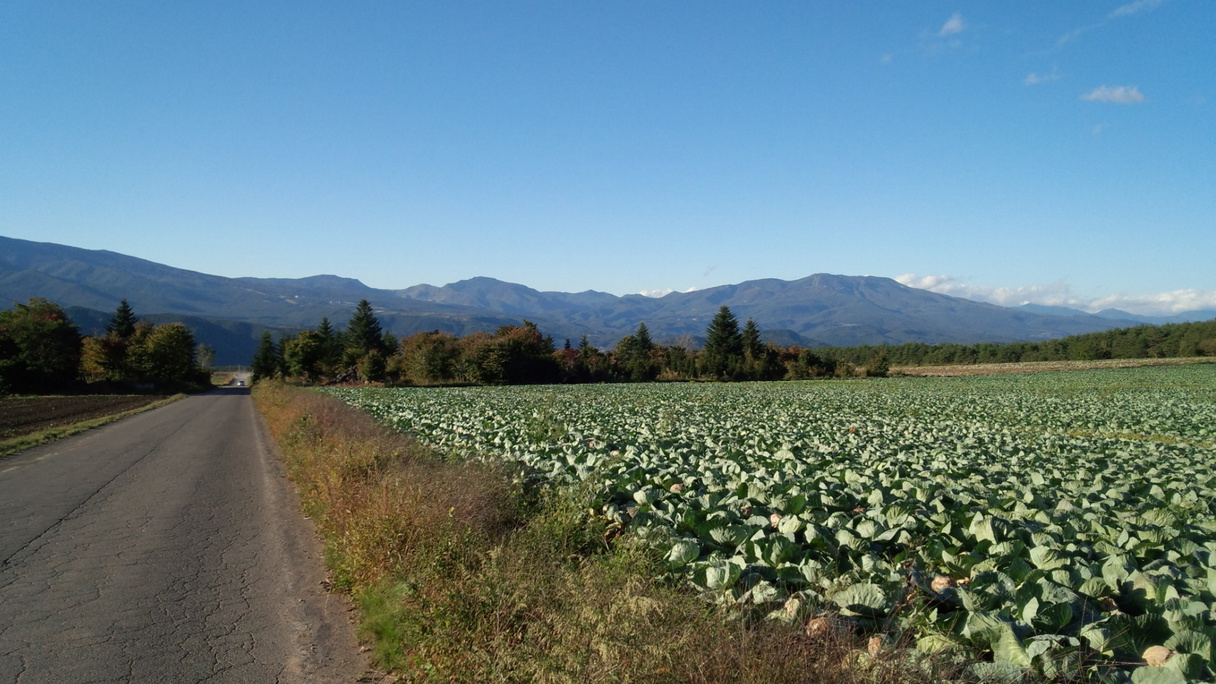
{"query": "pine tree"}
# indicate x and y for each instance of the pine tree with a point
(638, 349)
(755, 358)
(326, 331)
(589, 360)
(642, 339)
(266, 359)
(723, 353)
(752, 345)
(363, 333)
(331, 347)
(123, 322)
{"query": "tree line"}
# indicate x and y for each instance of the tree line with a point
(364, 352)
(1173, 340)
(522, 355)
(41, 351)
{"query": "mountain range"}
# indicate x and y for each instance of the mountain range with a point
(231, 313)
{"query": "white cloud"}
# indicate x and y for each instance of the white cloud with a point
(1134, 7)
(1073, 35)
(936, 283)
(1054, 294)
(1060, 294)
(1121, 11)
(1117, 95)
(655, 294)
(1162, 302)
(953, 25)
(1035, 79)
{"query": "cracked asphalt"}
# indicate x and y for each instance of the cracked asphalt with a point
(165, 547)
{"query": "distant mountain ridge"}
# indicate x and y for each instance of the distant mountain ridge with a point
(820, 309)
(1123, 316)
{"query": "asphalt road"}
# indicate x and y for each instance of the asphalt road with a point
(165, 547)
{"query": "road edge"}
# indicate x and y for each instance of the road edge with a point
(326, 642)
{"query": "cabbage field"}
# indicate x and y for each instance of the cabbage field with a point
(1064, 523)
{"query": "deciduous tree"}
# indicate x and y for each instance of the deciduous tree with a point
(164, 354)
(39, 347)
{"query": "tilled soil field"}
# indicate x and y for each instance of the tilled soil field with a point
(24, 415)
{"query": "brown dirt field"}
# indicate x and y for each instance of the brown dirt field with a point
(1040, 366)
(25, 415)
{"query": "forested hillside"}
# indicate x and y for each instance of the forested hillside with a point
(1139, 342)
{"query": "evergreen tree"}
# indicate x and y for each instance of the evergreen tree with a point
(723, 353)
(760, 361)
(588, 361)
(634, 356)
(753, 347)
(330, 341)
(642, 339)
(363, 334)
(123, 322)
(281, 370)
(266, 359)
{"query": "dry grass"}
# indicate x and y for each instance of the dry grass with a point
(377, 496)
(461, 577)
(222, 378)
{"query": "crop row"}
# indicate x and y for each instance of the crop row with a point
(1063, 522)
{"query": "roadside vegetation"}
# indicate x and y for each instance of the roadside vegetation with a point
(464, 572)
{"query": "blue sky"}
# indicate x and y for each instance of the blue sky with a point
(1062, 153)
